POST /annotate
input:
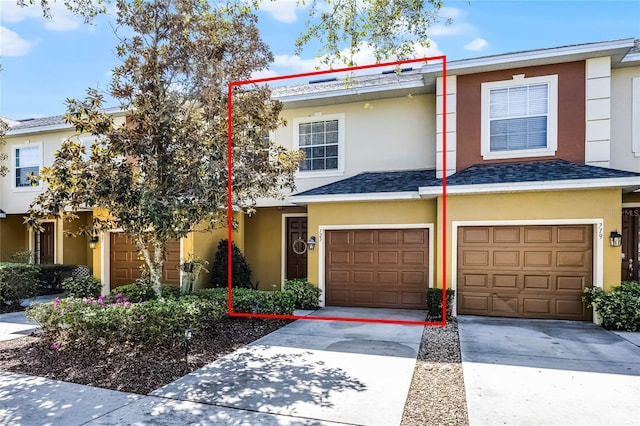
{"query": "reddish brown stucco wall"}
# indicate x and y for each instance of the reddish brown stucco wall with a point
(571, 112)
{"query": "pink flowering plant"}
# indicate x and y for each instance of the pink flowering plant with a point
(118, 319)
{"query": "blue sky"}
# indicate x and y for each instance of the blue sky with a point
(47, 61)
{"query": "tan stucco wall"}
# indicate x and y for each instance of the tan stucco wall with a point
(622, 156)
(530, 206)
(13, 236)
(76, 250)
(263, 245)
(385, 134)
(366, 213)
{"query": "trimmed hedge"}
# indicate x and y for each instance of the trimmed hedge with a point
(434, 303)
(307, 295)
(251, 301)
(240, 273)
(81, 287)
(18, 281)
(52, 276)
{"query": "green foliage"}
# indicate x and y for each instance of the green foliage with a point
(240, 273)
(21, 256)
(164, 171)
(135, 293)
(18, 281)
(252, 301)
(81, 287)
(306, 295)
(434, 303)
(263, 302)
(618, 308)
(392, 29)
(163, 320)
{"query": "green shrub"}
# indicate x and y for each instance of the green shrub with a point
(306, 295)
(18, 281)
(22, 256)
(163, 320)
(135, 293)
(434, 303)
(250, 301)
(170, 290)
(81, 287)
(618, 308)
(263, 302)
(240, 274)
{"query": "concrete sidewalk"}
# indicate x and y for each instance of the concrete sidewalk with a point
(15, 324)
(544, 372)
(309, 373)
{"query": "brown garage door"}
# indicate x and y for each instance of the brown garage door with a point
(125, 265)
(382, 268)
(524, 271)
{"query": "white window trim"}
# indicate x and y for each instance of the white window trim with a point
(32, 241)
(635, 116)
(341, 149)
(552, 118)
(14, 148)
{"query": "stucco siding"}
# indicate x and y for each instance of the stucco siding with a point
(385, 134)
(13, 236)
(75, 249)
(622, 153)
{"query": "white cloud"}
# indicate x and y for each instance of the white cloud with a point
(296, 63)
(263, 74)
(477, 44)
(11, 44)
(282, 10)
(62, 19)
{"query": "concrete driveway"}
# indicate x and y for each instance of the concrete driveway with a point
(542, 372)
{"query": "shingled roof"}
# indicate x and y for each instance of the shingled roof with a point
(483, 174)
(34, 123)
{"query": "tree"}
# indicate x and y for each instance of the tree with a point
(392, 28)
(4, 126)
(165, 170)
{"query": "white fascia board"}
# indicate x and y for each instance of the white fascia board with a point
(375, 196)
(416, 84)
(40, 129)
(632, 57)
(531, 55)
(554, 185)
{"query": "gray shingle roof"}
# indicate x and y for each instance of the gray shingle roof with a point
(636, 47)
(38, 122)
(340, 83)
(411, 180)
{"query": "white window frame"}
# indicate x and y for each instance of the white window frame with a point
(14, 149)
(341, 151)
(552, 118)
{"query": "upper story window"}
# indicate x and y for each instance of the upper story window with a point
(321, 138)
(27, 161)
(519, 117)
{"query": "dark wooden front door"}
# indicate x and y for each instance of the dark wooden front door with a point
(630, 258)
(296, 262)
(45, 244)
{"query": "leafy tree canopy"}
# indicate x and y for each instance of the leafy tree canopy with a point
(164, 170)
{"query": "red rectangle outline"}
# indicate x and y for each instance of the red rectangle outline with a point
(233, 84)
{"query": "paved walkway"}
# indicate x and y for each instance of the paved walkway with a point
(309, 372)
(16, 324)
(542, 372)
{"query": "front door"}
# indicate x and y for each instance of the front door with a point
(630, 258)
(296, 250)
(45, 244)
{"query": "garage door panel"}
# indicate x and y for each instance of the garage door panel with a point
(537, 282)
(474, 280)
(362, 277)
(475, 258)
(538, 234)
(505, 281)
(506, 258)
(506, 235)
(538, 259)
(475, 235)
(388, 268)
(504, 305)
(542, 275)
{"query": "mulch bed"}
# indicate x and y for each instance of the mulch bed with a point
(126, 367)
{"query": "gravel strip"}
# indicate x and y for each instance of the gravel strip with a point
(437, 395)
